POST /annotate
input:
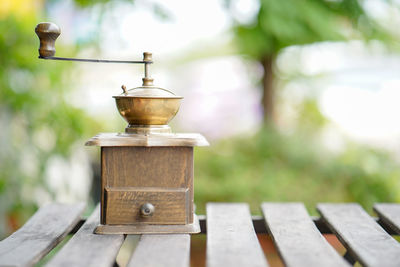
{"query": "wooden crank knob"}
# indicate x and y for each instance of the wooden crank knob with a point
(47, 33)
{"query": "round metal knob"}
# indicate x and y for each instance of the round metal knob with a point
(147, 209)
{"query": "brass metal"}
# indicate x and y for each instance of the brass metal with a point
(147, 129)
(147, 111)
(148, 57)
(147, 209)
(147, 81)
(149, 92)
(148, 108)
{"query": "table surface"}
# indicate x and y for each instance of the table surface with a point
(231, 237)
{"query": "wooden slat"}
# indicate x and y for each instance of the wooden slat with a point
(260, 228)
(389, 213)
(44, 230)
(88, 249)
(231, 240)
(172, 250)
(361, 235)
(297, 238)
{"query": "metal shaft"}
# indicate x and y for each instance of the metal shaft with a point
(146, 70)
(99, 60)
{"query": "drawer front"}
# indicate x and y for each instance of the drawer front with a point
(122, 206)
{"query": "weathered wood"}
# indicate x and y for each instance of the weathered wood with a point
(296, 237)
(88, 249)
(259, 225)
(150, 169)
(192, 228)
(152, 140)
(361, 235)
(44, 230)
(260, 228)
(171, 250)
(389, 214)
(123, 206)
(231, 240)
(165, 167)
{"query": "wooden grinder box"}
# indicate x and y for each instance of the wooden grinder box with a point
(147, 183)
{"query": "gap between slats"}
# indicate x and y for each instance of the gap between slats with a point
(297, 238)
(88, 249)
(361, 235)
(389, 214)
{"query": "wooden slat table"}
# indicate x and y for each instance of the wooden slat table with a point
(231, 238)
(231, 224)
(297, 238)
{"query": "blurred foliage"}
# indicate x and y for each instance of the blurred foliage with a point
(36, 122)
(158, 10)
(280, 24)
(89, 3)
(271, 166)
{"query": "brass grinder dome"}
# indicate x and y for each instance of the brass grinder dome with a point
(147, 109)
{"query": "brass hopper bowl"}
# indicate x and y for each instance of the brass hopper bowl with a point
(147, 109)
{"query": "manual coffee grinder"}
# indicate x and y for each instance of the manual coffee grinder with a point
(146, 171)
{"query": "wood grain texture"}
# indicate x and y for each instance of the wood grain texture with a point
(88, 249)
(296, 237)
(155, 168)
(231, 240)
(193, 228)
(162, 251)
(40, 234)
(48, 33)
(103, 185)
(361, 235)
(157, 140)
(123, 206)
(167, 167)
(389, 213)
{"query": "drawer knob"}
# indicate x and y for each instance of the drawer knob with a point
(147, 209)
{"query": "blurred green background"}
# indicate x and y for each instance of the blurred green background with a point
(43, 129)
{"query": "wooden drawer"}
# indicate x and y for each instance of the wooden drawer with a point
(122, 205)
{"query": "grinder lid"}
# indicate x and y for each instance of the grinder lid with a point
(147, 92)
